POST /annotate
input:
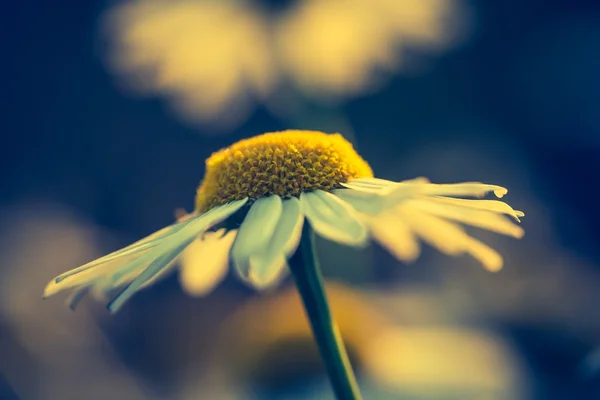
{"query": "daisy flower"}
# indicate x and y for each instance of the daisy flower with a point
(214, 60)
(264, 197)
(408, 358)
(257, 194)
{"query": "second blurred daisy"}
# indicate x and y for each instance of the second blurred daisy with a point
(210, 58)
(266, 350)
(215, 59)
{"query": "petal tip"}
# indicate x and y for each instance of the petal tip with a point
(500, 192)
(494, 266)
(519, 234)
(50, 289)
(197, 292)
(112, 308)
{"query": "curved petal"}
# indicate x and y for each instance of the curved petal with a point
(267, 265)
(364, 202)
(164, 256)
(396, 236)
(255, 232)
(488, 257)
(448, 237)
(75, 298)
(88, 276)
(142, 245)
(333, 219)
(128, 260)
(441, 234)
(378, 185)
(203, 264)
(472, 216)
(171, 247)
(474, 189)
(376, 182)
(369, 185)
(486, 205)
(137, 269)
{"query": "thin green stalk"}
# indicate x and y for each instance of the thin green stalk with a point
(307, 276)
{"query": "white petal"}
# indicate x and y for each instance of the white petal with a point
(415, 181)
(333, 219)
(396, 236)
(128, 260)
(164, 256)
(140, 267)
(267, 265)
(405, 190)
(134, 249)
(374, 182)
(166, 271)
(364, 202)
(368, 186)
(295, 218)
(279, 270)
(255, 232)
(172, 246)
(472, 216)
(444, 235)
(448, 237)
(75, 298)
(90, 275)
(215, 215)
(475, 189)
(487, 205)
(490, 258)
(203, 264)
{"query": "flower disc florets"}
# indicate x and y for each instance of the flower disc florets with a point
(285, 164)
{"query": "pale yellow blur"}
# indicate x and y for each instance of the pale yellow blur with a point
(275, 318)
(211, 58)
(215, 59)
(341, 47)
(441, 359)
(205, 262)
(426, 355)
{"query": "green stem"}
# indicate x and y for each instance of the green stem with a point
(307, 275)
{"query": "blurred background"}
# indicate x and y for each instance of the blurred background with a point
(109, 110)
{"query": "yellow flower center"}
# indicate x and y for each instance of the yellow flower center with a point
(279, 163)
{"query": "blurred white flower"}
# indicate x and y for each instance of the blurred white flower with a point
(210, 58)
(340, 47)
(215, 59)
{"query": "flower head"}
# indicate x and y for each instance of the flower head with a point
(284, 164)
(253, 202)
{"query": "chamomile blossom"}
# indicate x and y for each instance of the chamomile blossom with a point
(216, 60)
(257, 194)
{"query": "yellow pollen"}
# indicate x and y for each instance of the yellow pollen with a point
(284, 163)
